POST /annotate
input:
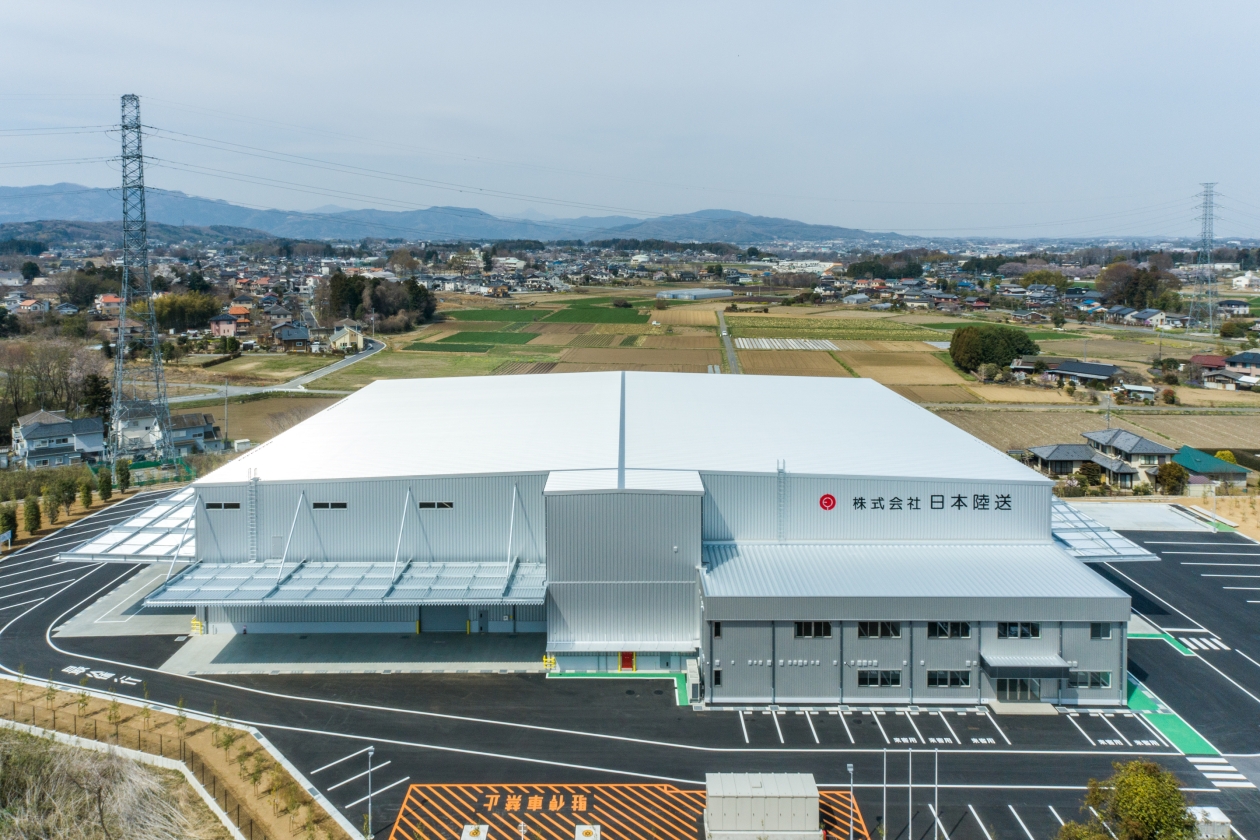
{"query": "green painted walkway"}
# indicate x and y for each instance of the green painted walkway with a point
(1179, 733)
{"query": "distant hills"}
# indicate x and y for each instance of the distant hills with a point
(59, 232)
(69, 203)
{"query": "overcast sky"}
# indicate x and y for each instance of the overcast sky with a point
(1009, 119)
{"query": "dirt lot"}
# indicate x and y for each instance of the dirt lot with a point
(554, 339)
(257, 368)
(397, 364)
(937, 393)
(261, 420)
(1020, 394)
(902, 368)
(1205, 429)
(681, 342)
(585, 367)
(790, 363)
(1015, 429)
(657, 359)
(1116, 349)
(686, 317)
(545, 328)
(1216, 397)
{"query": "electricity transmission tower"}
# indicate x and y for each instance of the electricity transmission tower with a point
(140, 417)
(1203, 300)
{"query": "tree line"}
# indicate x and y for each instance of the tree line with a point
(397, 306)
(989, 344)
(53, 374)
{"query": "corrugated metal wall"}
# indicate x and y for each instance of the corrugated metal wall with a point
(925, 608)
(258, 614)
(621, 567)
(477, 527)
(747, 508)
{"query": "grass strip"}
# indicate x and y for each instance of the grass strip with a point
(497, 314)
(487, 338)
(439, 347)
(844, 365)
(679, 680)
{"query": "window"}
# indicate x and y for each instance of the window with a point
(879, 629)
(435, 505)
(879, 679)
(1089, 679)
(948, 679)
(717, 677)
(813, 629)
(717, 629)
(223, 505)
(1019, 630)
(1100, 630)
(949, 630)
(329, 505)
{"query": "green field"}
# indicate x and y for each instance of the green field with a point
(1035, 335)
(497, 314)
(596, 315)
(488, 338)
(442, 347)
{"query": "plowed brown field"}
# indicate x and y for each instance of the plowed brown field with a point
(790, 363)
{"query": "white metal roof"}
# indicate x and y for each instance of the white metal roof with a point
(630, 420)
(745, 785)
(855, 570)
(352, 584)
(1023, 660)
(1086, 539)
(644, 481)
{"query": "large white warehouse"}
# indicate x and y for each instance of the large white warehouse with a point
(788, 539)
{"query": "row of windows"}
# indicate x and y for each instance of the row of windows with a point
(959, 679)
(813, 629)
(328, 505)
(1089, 679)
(223, 505)
(435, 505)
(879, 629)
(949, 630)
(892, 629)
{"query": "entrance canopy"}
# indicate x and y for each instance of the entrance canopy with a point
(1032, 665)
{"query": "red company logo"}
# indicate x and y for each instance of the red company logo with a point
(827, 502)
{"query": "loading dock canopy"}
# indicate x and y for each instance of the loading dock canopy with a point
(1032, 665)
(352, 584)
(160, 533)
(1086, 539)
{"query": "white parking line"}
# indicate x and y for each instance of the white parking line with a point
(331, 788)
(57, 573)
(38, 588)
(979, 822)
(1242, 565)
(939, 824)
(23, 603)
(809, 718)
(847, 731)
(1072, 719)
(377, 793)
(774, 716)
(1021, 822)
(743, 726)
(338, 761)
(1100, 820)
(881, 728)
(916, 729)
(1158, 735)
(1056, 814)
(998, 728)
(1107, 721)
(941, 715)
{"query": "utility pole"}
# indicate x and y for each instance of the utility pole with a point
(145, 396)
(852, 802)
(371, 750)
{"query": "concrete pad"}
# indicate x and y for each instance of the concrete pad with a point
(119, 611)
(357, 653)
(1000, 708)
(1138, 516)
(1140, 626)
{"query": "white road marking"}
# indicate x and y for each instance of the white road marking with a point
(331, 788)
(1248, 658)
(1242, 565)
(24, 603)
(377, 793)
(881, 728)
(998, 728)
(1104, 825)
(1198, 628)
(1217, 553)
(809, 718)
(1214, 776)
(939, 824)
(40, 588)
(1021, 822)
(1107, 720)
(979, 822)
(1072, 719)
(742, 726)
(1236, 831)
(941, 715)
(1158, 735)
(338, 761)
(774, 716)
(1056, 814)
(916, 728)
(847, 731)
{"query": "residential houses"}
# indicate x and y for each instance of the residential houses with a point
(1208, 469)
(51, 439)
(1126, 459)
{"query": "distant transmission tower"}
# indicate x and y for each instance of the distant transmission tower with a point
(140, 420)
(1203, 300)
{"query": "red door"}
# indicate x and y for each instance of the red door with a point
(627, 660)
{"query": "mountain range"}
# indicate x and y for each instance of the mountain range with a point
(66, 202)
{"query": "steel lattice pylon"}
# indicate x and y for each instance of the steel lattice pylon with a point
(1203, 297)
(140, 416)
